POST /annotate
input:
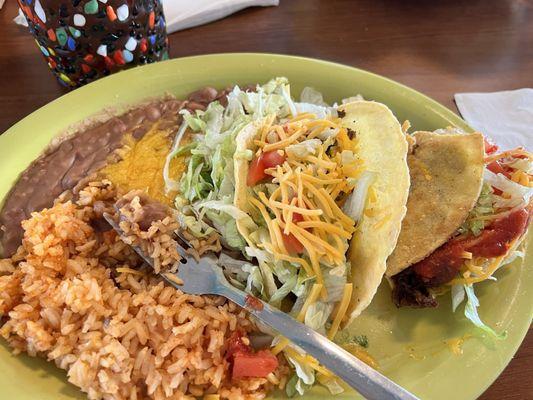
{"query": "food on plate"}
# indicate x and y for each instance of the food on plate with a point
(71, 160)
(468, 211)
(304, 216)
(82, 299)
(303, 195)
(73, 292)
(320, 195)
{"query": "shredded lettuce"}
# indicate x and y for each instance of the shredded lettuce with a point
(471, 306)
(208, 185)
(519, 195)
(195, 184)
(283, 291)
(312, 101)
(355, 204)
(483, 207)
(254, 280)
(512, 256)
(312, 96)
(317, 315)
(319, 111)
(206, 195)
(305, 148)
(329, 133)
(334, 281)
(458, 296)
(197, 227)
(225, 207)
(286, 93)
(170, 184)
(303, 371)
(260, 255)
(295, 386)
(522, 164)
(268, 278)
(223, 215)
(195, 122)
(351, 99)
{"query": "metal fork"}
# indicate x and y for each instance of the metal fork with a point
(205, 277)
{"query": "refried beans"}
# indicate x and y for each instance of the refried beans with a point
(71, 161)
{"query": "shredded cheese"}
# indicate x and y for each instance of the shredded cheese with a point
(278, 348)
(509, 153)
(307, 360)
(476, 271)
(311, 185)
(342, 307)
(313, 296)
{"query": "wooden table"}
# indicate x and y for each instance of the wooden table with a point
(439, 48)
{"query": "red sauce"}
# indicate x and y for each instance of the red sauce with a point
(236, 345)
(444, 263)
(254, 303)
(495, 240)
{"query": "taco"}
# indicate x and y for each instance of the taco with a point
(468, 211)
(293, 188)
(302, 192)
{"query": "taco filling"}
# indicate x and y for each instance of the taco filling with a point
(306, 210)
(487, 238)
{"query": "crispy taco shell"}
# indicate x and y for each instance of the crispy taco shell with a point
(382, 146)
(446, 179)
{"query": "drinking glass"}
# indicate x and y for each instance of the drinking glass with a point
(83, 40)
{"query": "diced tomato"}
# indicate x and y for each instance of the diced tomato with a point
(296, 217)
(256, 172)
(490, 147)
(497, 168)
(292, 244)
(254, 365)
(246, 362)
(444, 263)
(272, 159)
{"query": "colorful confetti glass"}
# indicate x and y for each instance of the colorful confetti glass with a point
(83, 40)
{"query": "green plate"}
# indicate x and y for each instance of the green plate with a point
(408, 344)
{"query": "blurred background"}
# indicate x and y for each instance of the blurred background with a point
(439, 48)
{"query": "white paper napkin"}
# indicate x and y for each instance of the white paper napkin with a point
(506, 117)
(183, 14)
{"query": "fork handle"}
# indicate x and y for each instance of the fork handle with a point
(366, 380)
